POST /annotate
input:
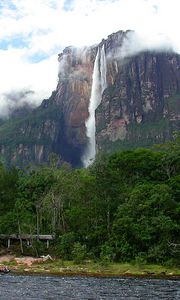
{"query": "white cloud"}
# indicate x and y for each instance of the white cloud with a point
(88, 21)
(45, 28)
(19, 75)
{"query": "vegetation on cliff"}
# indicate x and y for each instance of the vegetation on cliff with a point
(123, 208)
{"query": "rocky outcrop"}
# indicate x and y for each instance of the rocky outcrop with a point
(139, 107)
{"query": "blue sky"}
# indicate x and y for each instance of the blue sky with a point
(68, 5)
(33, 32)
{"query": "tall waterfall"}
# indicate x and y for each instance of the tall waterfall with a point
(103, 69)
(98, 86)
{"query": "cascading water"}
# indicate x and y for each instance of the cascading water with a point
(103, 69)
(98, 86)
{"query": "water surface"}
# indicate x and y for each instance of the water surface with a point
(52, 287)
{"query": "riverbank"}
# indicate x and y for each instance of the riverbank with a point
(30, 265)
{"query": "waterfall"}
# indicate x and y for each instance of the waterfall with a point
(98, 86)
(103, 69)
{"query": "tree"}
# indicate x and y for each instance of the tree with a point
(145, 222)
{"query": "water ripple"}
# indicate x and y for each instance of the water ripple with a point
(48, 287)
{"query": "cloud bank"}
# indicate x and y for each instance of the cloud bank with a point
(34, 32)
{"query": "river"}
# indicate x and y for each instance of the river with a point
(91, 288)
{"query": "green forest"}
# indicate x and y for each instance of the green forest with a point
(125, 207)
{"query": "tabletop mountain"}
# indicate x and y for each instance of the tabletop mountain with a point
(138, 95)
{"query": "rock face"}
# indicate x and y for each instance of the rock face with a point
(58, 125)
(139, 107)
(72, 96)
(30, 139)
(141, 104)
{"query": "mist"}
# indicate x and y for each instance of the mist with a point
(15, 100)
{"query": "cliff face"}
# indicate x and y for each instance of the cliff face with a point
(58, 125)
(73, 94)
(139, 106)
(30, 139)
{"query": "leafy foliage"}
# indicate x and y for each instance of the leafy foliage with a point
(125, 207)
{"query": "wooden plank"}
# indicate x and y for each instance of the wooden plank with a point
(8, 236)
(27, 236)
(46, 237)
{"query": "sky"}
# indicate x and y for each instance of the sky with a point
(33, 32)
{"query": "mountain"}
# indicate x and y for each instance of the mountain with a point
(138, 94)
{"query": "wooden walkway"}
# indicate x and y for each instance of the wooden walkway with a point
(27, 237)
